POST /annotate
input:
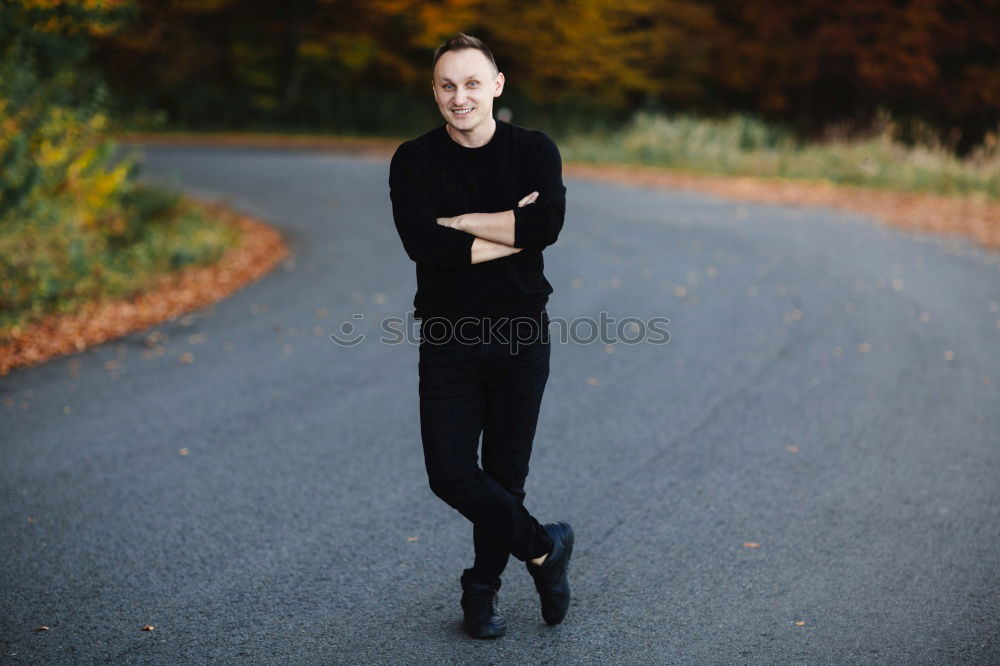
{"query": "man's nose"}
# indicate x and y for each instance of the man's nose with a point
(459, 96)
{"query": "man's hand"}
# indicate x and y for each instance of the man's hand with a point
(453, 222)
(487, 250)
(527, 200)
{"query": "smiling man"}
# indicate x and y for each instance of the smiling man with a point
(475, 202)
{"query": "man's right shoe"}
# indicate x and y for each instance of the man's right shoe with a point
(481, 609)
(551, 579)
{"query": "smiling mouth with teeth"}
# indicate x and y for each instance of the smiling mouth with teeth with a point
(461, 112)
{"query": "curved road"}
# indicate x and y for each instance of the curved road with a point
(808, 472)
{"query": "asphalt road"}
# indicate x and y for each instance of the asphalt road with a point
(808, 472)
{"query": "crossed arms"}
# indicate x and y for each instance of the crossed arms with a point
(494, 232)
(471, 238)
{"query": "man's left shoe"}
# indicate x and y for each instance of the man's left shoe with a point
(551, 578)
(482, 612)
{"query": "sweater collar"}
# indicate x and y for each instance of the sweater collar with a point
(489, 146)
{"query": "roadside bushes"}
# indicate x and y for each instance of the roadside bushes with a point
(75, 222)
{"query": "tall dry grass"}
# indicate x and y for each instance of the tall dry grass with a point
(745, 146)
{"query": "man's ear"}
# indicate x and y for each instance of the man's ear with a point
(498, 84)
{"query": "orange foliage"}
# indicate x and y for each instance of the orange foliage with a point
(812, 61)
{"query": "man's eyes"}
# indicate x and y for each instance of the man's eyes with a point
(449, 86)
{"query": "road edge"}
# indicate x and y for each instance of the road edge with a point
(974, 217)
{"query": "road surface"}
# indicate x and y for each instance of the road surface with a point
(807, 472)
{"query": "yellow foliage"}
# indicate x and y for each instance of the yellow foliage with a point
(99, 20)
(100, 188)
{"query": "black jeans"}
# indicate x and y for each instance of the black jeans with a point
(491, 387)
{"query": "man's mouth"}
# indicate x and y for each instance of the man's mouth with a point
(462, 112)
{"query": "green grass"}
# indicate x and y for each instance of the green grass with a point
(744, 146)
(52, 264)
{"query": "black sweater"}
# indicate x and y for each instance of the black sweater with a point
(433, 176)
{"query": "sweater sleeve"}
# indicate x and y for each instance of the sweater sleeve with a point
(537, 225)
(426, 242)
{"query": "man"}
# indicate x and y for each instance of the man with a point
(475, 202)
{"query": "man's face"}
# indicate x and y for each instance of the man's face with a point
(464, 87)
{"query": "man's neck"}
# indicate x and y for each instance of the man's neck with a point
(477, 140)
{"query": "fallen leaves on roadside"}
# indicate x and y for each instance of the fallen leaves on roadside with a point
(42, 628)
(260, 249)
(751, 544)
(147, 627)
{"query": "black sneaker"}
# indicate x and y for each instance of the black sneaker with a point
(480, 603)
(551, 579)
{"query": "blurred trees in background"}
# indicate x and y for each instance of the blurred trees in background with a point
(364, 65)
(75, 224)
(50, 106)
